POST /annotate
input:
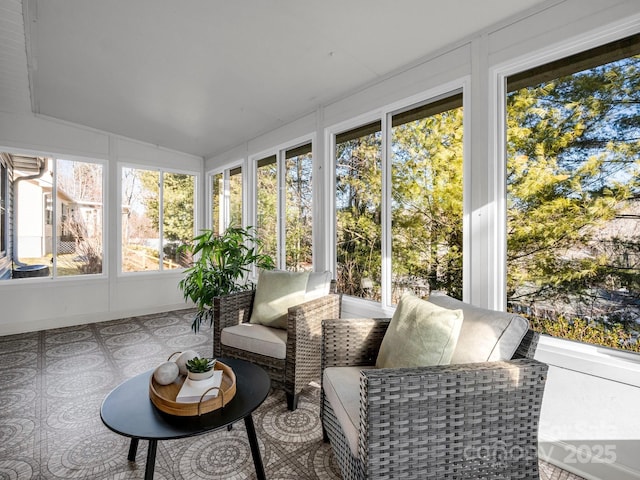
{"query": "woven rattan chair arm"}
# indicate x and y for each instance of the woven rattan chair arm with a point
(229, 310)
(352, 342)
(442, 377)
(304, 334)
(309, 315)
(415, 415)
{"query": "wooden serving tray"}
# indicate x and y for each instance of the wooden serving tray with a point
(164, 396)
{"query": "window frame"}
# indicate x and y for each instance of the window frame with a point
(5, 206)
(497, 126)
(12, 215)
(105, 216)
(161, 171)
(225, 211)
(384, 115)
(280, 152)
(4, 209)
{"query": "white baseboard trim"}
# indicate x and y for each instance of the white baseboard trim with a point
(14, 328)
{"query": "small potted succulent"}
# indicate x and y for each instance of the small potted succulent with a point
(200, 368)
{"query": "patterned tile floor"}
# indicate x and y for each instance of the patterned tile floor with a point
(52, 384)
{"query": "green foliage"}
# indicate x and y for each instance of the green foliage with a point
(267, 206)
(574, 161)
(358, 216)
(178, 202)
(616, 335)
(426, 208)
(573, 176)
(200, 364)
(221, 265)
(427, 202)
(298, 212)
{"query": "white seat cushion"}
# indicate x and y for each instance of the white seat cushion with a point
(255, 338)
(342, 387)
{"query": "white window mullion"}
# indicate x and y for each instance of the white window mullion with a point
(330, 204)
(54, 219)
(386, 268)
(281, 219)
(225, 201)
(161, 219)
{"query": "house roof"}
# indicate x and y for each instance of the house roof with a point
(206, 75)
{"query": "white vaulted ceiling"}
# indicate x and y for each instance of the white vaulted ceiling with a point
(202, 76)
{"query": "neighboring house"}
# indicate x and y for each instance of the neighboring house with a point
(27, 228)
(76, 220)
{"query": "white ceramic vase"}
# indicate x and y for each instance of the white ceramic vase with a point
(200, 375)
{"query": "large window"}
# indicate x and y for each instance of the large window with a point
(55, 216)
(3, 208)
(79, 211)
(5, 261)
(226, 199)
(298, 208)
(284, 206)
(267, 204)
(573, 185)
(415, 219)
(157, 218)
(359, 211)
(426, 199)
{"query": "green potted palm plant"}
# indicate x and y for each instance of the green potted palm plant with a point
(220, 267)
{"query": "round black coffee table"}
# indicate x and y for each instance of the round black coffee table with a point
(128, 411)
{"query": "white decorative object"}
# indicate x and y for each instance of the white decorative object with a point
(183, 358)
(192, 390)
(197, 376)
(166, 373)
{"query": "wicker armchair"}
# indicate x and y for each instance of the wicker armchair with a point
(303, 338)
(454, 422)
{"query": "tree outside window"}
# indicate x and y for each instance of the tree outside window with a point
(298, 208)
(426, 199)
(573, 173)
(424, 211)
(157, 218)
(284, 207)
(358, 211)
(267, 204)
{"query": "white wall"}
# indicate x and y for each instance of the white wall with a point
(583, 412)
(35, 304)
(589, 422)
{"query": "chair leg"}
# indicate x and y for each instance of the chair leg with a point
(292, 401)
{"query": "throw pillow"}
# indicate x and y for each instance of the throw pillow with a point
(420, 334)
(318, 285)
(277, 290)
(486, 335)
